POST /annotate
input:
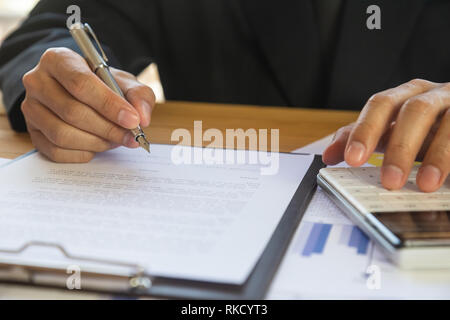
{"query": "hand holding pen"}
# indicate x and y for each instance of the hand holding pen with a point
(71, 114)
(83, 36)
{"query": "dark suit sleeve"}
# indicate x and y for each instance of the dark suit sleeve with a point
(45, 27)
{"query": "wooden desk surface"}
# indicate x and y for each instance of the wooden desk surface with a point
(298, 127)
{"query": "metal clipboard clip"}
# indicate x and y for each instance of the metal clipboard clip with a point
(91, 280)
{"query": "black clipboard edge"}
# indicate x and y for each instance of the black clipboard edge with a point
(282, 236)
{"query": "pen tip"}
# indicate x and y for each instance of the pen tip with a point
(144, 144)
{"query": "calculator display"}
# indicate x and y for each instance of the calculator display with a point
(417, 225)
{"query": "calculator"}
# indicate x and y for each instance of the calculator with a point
(411, 227)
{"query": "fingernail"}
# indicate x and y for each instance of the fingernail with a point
(429, 177)
(391, 176)
(127, 119)
(129, 141)
(356, 151)
(146, 112)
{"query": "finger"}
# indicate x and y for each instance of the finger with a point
(56, 153)
(139, 95)
(334, 153)
(384, 139)
(79, 115)
(60, 133)
(413, 124)
(74, 74)
(376, 117)
(436, 165)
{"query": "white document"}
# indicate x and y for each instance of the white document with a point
(329, 258)
(317, 147)
(3, 161)
(204, 222)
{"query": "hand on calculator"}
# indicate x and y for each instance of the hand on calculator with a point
(409, 122)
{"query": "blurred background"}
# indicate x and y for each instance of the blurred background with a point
(12, 12)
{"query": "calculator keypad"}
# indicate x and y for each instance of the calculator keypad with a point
(365, 186)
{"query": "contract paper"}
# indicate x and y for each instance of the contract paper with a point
(191, 221)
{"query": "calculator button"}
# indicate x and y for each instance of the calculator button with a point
(365, 186)
(442, 205)
(368, 197)
(346, 182)
(377, 206)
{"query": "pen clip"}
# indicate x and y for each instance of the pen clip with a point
(89, 30)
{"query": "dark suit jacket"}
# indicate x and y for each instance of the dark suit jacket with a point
(245, 51)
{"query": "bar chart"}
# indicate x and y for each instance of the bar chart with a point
(314, 236)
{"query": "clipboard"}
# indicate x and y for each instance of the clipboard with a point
(138, 282)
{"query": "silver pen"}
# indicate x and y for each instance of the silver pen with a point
(82, 34)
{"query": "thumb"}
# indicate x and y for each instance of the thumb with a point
(334, 153)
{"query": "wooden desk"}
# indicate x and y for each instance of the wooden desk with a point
(298, 127)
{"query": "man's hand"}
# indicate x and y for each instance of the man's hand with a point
(71, 114)
(409, 122)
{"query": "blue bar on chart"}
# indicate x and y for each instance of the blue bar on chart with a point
(359, 241)
(313, 238)
(353, 237)
(317, 239)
